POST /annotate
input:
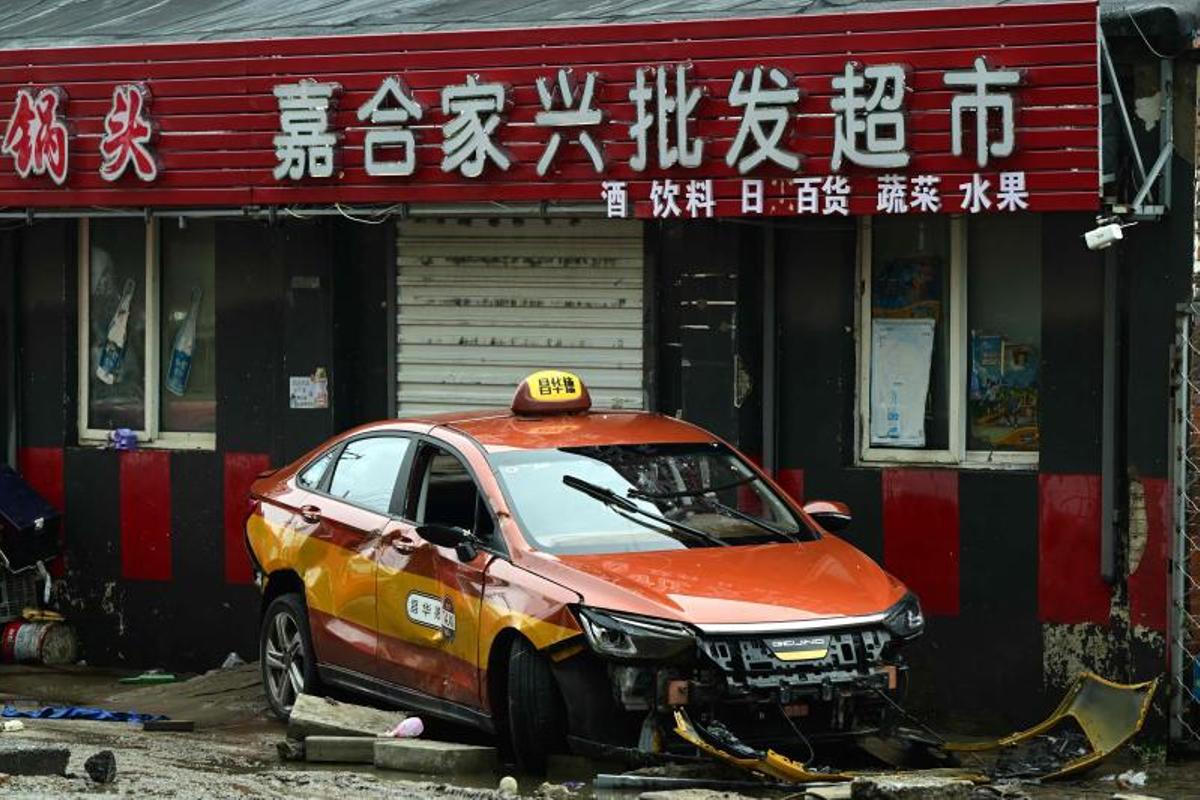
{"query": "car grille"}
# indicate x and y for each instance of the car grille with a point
(846, 650)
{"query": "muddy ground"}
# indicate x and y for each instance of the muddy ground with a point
(232, 752)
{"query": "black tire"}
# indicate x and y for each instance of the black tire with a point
(292, 665)
(536, 714)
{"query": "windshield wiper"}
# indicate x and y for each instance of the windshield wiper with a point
(630, 508)
(736, 513)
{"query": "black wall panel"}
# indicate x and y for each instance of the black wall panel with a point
(363, 279)
(95, 604)
(1072, 346)
(249, 288)
(46, 274)
(1156, 263)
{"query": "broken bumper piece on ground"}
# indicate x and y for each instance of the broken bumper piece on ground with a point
(1094, 719)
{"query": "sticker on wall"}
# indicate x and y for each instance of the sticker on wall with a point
(309, 391)
(432, 612)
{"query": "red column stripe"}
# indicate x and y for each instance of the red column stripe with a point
(1070, 588)
(920, 534)
(146, 515)
(1148, 580)
(42, 468)
(791, 480)
(240, 471)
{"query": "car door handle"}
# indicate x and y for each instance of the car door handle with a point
(405, 546)
(310, 513)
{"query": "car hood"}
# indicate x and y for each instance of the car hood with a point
(766, 583)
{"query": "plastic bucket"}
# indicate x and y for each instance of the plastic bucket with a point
(38, 643)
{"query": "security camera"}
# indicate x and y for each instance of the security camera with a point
(1103, 236)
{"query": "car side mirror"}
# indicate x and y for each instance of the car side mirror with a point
(829, 514)
(463, 541)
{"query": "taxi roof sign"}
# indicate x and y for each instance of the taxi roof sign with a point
(551, 391)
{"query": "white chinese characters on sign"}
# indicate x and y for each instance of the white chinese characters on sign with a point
(575, 112)
(869, 127)
(673, 106)
(765, 119)
(392, 105)
(982, 100)
(474, 111)
(305, 145)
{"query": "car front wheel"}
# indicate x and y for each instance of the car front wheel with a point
(536, 716)
(286, 654)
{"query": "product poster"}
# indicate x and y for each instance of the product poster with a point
(1003, 394)
(901, 357)
(308, 391)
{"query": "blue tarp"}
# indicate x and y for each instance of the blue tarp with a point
(80, 712)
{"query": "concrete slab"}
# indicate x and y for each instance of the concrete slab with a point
(339, 750)
(910, 786)
(27, 758)
(320, 716)
(433, 758)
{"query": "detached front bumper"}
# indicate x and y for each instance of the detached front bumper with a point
(833, 678)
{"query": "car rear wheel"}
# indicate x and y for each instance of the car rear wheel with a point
(286, 654)
(536, 715)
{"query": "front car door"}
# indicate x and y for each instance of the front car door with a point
(350, 510)
(429, 600)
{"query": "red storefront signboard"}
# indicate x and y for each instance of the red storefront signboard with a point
(976, 109)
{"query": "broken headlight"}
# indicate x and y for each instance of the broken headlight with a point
(629, 636)
(905, 620)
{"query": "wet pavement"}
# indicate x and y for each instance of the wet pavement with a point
(232, 753)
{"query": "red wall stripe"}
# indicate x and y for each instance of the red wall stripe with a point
(920, 534)
(1148, 581)
(1070, 589)
(146, 515)
(791, 480)
(42, 468)
(240, 471)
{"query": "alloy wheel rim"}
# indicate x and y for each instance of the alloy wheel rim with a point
(283, 661)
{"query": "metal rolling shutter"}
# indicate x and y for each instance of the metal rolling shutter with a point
(482, 303)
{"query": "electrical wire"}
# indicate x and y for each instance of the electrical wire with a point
(812, 755)
(1146, 41)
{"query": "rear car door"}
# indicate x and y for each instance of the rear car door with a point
(429, 600)
(349, 512)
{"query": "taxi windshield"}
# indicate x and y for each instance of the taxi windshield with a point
(629, 498)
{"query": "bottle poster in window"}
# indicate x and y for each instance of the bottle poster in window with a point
(901, 356)
(1003, 394)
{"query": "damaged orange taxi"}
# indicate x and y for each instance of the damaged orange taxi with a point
(566, 577)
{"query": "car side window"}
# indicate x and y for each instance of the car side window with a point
(367, 469)
(447, 495)
(310, 477)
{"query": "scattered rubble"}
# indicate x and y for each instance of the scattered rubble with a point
(102, 767)
(692, 794)
(321, 716)
(433, 758)
(339, 750)
(910, 786)
(27, 758)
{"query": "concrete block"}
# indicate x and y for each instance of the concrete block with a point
(910, 786)
(27, 758)
(433, 758)
(320, 716)
(693, 794)
(339, 749)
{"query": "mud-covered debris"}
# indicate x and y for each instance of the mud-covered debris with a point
(290, 750)
(553, 791)
(1042, 755)
(102, 767)
(26, 758)
(692, 794)
(322, 716)
(508, 786)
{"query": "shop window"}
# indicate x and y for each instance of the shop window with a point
(950, 341)
(147, 327)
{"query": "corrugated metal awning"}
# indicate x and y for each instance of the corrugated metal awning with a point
(53, 23)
